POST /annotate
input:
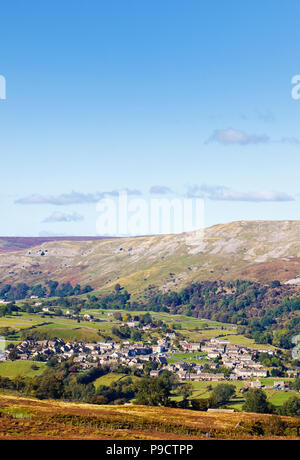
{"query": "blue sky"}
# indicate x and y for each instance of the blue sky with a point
(193, 96)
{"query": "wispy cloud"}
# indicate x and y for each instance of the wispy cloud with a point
(71, 198)
(222, 193)
(290, 140)
(59, 200)
(160, 190)
(232, 136)
(64, 217)
(212, 192)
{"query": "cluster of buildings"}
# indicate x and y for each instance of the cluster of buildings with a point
(278, 384)
(91, 354)
(238, 360)
(68, 314)
(213, 354)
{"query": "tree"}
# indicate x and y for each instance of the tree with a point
(117, 288)
(19, 383)
(291, 407)
(135, 335)
(146, 319)
(296, 384)
(38, 290)
(52, 287)
(86, 289)
(13, 355)
(46, 387)
(200, 404)
(222, 394)
(153, 392)
(256, 401)
(186, 391)
(52, 362)
(282, 339)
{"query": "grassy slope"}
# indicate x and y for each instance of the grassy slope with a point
(258, 250)
(191, 328)
(108, 379)
(12, 369)
(26, 418)
(60, 327)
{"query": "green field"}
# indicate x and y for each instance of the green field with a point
(189, 328)
(276, 397)
(279, 397)
(60, 327)
(196, 357)
(109, 379)
(193, 329)
(13, 369)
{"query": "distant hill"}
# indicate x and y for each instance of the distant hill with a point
(255, 250)
(17, 243)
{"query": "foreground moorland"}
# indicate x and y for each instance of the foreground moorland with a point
(27, 418)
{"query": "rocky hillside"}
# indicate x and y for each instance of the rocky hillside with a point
(255, 250)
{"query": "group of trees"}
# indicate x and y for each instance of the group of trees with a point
(157, 392)
(51, 288)
(67, 382)
(119, 299)
(7, 309)
(64, 381)
(256, 401)
(260, 311)
(266, 313)
(126, 332)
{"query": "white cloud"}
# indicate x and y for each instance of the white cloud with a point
(222, 193)
(72, 198)
(232, 136)
(160, 190)
(64, 217)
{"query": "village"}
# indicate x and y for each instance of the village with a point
(240, 362)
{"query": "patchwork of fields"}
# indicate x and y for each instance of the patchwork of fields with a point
(60, 327)
(200, 389)
(89, 331)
